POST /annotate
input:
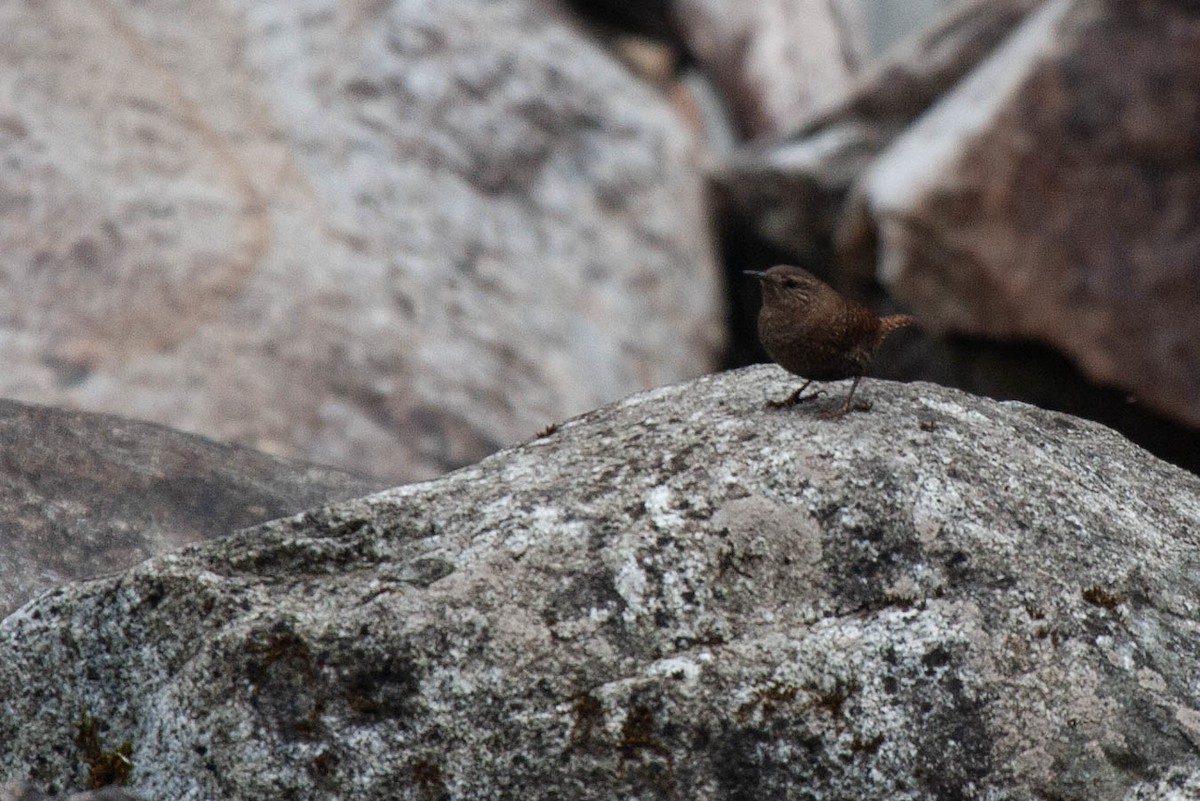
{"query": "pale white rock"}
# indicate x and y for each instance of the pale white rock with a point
(389, 235)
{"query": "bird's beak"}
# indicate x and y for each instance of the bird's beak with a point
(755, 273)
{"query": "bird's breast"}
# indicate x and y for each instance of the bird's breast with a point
(823, 350)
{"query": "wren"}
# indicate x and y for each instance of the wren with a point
(811, 330)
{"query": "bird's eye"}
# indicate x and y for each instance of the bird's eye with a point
(791, 283)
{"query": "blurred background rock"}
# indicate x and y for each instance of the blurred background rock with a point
(393, 236)
(389, 236)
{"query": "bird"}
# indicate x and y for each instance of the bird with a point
(811, 330)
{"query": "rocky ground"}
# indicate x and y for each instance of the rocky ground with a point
(677, 596)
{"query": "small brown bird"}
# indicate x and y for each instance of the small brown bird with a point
(809, 329)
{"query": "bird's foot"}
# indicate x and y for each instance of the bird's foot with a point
(833, 414)
(794, 398)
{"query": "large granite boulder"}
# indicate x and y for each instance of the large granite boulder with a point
(83, 495)
(1051, 198)
(677, 596)
(391, 236)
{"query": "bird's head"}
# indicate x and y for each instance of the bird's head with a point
(786, 285)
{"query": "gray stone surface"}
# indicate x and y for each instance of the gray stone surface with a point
(677, 596)
(82, 494)
(389, 236)
(890, 22)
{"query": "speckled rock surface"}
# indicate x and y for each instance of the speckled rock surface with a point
(677, 596)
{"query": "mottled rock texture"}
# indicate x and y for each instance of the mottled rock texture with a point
(83, 495)
(391, 236)
(1051, 196)
(677, 596)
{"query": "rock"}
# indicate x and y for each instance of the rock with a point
(1176, 786)
(386, 236)
(680, 595)
(82, 495)
(16, 791)
(775, 61)
(792, 193)
(1037, 375)
(890, 24)
(1050, 198)
(772, 62)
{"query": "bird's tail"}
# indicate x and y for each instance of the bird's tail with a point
(894, 321)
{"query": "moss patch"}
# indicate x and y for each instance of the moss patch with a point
(105, 765)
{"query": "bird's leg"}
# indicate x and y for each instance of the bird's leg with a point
(796, 397)
(842, 410)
